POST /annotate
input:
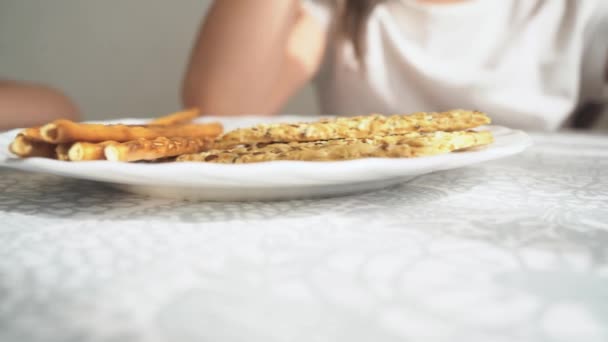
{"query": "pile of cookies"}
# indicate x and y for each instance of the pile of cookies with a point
(396, 136)
(175, 138)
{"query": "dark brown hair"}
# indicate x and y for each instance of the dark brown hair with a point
(352, 18)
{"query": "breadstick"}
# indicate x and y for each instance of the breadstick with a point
(32, 133)
(61, 151)
(395, 146)
(25, 147)
(82, 151)
(144, 149)
(177, 118)
(355, 127)
(63, 131)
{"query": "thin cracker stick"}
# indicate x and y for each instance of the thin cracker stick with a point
(63, 131)
(143, 149)
(25, 147)
(182, 117)
(85, 151)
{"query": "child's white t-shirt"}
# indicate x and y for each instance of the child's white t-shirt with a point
(528, 63)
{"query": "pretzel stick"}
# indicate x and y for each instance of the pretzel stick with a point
(61, 151)
(143, 149)
(82, 151)
(177, 118)
(25, 147)
(63, 131)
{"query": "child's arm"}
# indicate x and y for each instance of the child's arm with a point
(251, 56)
(25, 105)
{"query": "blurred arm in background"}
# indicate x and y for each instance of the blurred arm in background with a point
(25, 105)
(594, 113)
(251, 56)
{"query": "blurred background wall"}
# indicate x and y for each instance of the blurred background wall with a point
(115, 58)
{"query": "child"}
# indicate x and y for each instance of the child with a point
(26, 105)
(528, 63)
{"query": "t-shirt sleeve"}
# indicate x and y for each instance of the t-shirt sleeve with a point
(595, 60)
(321, 10)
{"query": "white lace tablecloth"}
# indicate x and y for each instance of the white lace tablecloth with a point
(511, 250)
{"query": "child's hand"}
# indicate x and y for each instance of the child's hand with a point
(26, 105)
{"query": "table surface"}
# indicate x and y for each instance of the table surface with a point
(510, 250)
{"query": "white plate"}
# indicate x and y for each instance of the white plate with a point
(263, 181)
